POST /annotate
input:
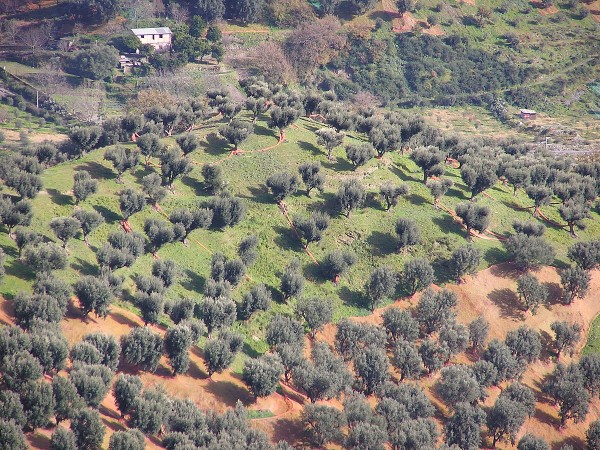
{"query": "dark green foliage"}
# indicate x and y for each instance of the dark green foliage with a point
(88, 221)
(38, 403)
(330, 139)
(465, 261)
(236, 132)
(324, 423)
(152, 187)
(228, 211)
(84, 353)
(351, 195)
(473, 216)
(131, 202)
(311, 228)
(352, 337)
(94, 294)
(381, 285)
(429, 159)
(96, 62)
(126, 389)
(589, 366)
(400, 324)
(312, 176)
(282, 117)
(541, 195)
(573, 212)
(282, 184)
(531, 292)
(407, 359)
(258, 299)
(336, 263)
(127, 440)
(121, 250)
(11, 408)
(92, 382)
(500, 355)
(83, 186)
(438, 189)
(84, 138)
(150, 411)
(65, 228)
(317, 312)
(566, 386)
(478, 176)
(505, 418)
(173, 165)
(159, 232)
(284, 330)
(411, 397)
(434, 355)
(529, 251)
(455, 336)
(19, 369)
(464, 427)
(262, 374)
(142, 348)
(371, 366)
(247, 250)
(219, 352)
(88, 429)
(408, 233)
(123, 159)
(63, 439)
(359, 154)
(323, 378)
(417, 275)
(385, 137)
(292, 281)
(566, 336)
(575, 283)
(187, 143)
(585, 254)
(67, 400)
(478, 332)
(458, 384)
(24, 237)
(15, 214)
(181, 309)
(435, 308)
(166, 271)
(217, 313)
(529, 228)
(42, 307)
(12, 340)
(178, 340)
(152, 306)
(391, 192)
(11, 437)
(592, 435)
(366, 436)
(213, 177)
(531, 442)
(49, 346)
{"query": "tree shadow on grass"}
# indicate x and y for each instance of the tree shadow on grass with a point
(352, 298)
(329, 205)
(215, 145)
(339, 165)
(84, 267)
(196, 185)
(291, 431)
(229, 393)
(458, 192)
(109, 215)
(400, 174)
(247, 350)
(193, 281)
(259, 194)
(59, 198)
(261, 130)
(286, 239)
(97, 170)
(417, 199)
(17, 269)
(508, 303)
(448, 225)
(382, 244)
(310, 147)
(9, 250)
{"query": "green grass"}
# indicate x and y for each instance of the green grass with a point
(259, 414)
(369, 232)
(593, 342)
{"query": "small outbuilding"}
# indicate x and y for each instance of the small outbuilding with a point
(159, 38)
(528, 114)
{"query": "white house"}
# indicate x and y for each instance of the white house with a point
(159, 38)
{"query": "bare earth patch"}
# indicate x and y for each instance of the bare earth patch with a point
(34, 137)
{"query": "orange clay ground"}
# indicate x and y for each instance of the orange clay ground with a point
(490, 293)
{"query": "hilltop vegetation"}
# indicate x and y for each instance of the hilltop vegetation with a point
(263, 238)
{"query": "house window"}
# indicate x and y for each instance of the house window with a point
(142, 36)
(160, 36)
(153, 37)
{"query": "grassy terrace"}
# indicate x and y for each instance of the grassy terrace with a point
(368, 232)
